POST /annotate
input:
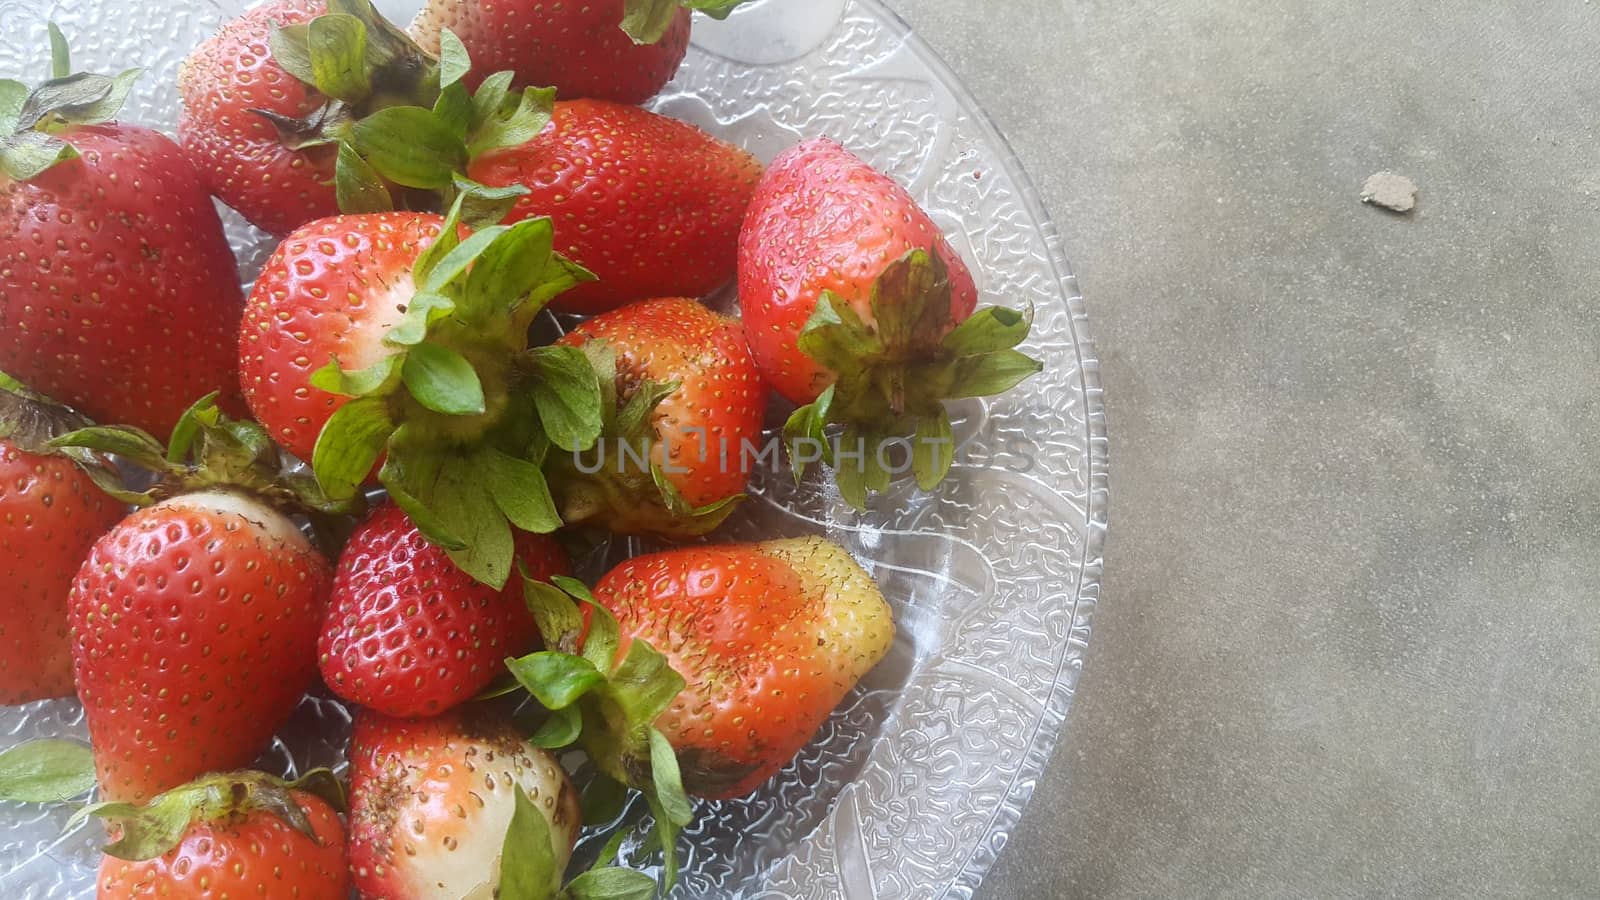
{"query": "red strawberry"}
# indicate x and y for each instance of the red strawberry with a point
(116, 283)
(650, 205)
(857, 304)
(385, 336)
(53, 512)
(579, 49)
(333, 289)
(701, 437)
(194, 620)
(408, 634)
(195, 628)
(292, 114)
(242, 834)
(431, 803)
(225, 86)
(770, 637)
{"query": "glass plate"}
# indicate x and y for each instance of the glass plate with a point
(913, 786)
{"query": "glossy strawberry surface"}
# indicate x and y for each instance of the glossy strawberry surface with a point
(332, 290)
(408, 633)
(194, 629)
(579, 49)
(240, 153)
(250, 855)
(649, 204)
(118, 292)
(824, 220)
(50, 515)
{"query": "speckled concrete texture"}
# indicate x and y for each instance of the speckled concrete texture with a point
(1350, 633)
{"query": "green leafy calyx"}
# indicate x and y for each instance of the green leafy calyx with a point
(894, 374)
(605, 695)
(32, 122)
(401, 117)
(618, 483)
(151, 829)
(207, 450)
(457, 422)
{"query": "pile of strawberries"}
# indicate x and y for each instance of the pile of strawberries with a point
(436, 191)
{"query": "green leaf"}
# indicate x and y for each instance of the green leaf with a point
(528, 868)
(466, 509)
(647, 21)
(989, 374)
(567, 394)
(106, 108)
(455, 263)
(350, 444)
(668, 780)
(454, 61)
(645, 685)
(449, 239)
(483, 206)
(934, 450)
(424, 309)
(386, 43)
(379, 378)
(514, 126)
(201, 415)
(520, 491)
(359, 187)
(29, 154)
(291, 49)
(560, 730)
(410, 146)
(412, 480)
(490, 98)
(877, 474)
(560, 623)
(556, 680)
(989, 330)
(605, 633)
(46, 771)
(603, 800)
(667, 838)
(131, 443)
(338, 44)
(612, 884)
(12, 95)
(836, 337)
(850, 469)
(574, 587)
(442, 380)
(509, 268)
(60, 54)
(805, 435)
(454, 109)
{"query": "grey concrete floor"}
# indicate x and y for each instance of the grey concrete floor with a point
(1350, 637)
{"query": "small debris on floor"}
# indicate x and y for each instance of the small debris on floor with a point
(1390, 191)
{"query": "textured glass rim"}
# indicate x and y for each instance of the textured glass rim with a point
(981, 858)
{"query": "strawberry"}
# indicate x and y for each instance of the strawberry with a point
(770, 637)
(649, 204)
(407, 633)
(580, 49)
(858, 306)
(194, 620)
(436, 804)
(302, 108)
(233, 92)
(688, 460)
(53, 512)
(117, 287)
(241, 834)
(732, 656)
(397, 337)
